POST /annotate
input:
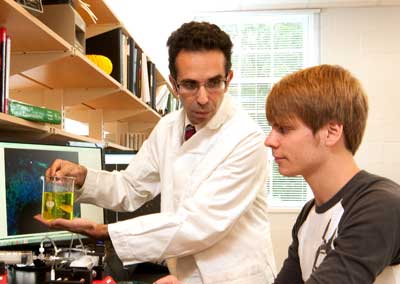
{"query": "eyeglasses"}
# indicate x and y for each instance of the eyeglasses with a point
(191, 87)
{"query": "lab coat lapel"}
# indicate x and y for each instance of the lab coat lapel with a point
(193, 154)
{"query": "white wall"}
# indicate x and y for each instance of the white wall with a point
(367, 42)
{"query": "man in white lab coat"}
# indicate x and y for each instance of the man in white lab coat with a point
(213, 225)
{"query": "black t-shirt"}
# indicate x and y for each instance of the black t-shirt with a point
(350, 239)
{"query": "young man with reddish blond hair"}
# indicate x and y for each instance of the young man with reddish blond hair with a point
(350, 232)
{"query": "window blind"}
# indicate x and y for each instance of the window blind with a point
(267, 46)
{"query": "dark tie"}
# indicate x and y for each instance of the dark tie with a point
(189, 131)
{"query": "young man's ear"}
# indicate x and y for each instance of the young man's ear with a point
(333, 133)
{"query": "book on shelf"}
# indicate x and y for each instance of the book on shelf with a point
(5, 53)
(152, 73)
(145, 86)
(132, 66)
(7, 79)
(3, 40)
(33, 113)
(125, 58)
(109, 44)
(138, 85)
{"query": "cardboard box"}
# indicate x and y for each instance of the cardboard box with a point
(66, 22)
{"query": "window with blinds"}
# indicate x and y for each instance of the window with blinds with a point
(267, 46)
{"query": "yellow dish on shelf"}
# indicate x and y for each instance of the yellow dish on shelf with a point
(102, 62)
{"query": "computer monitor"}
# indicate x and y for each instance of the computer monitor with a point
(21, 168)
(115, 159)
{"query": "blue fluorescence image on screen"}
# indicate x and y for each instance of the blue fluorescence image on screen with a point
(23, 169)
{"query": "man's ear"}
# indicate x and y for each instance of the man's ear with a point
(173, 84)
(229, 77)
(333, 133)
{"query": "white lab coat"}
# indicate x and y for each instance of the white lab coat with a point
(213, 199)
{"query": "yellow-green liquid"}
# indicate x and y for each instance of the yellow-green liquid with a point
(58, 205)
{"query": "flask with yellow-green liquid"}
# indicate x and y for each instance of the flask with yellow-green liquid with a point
(58, 197)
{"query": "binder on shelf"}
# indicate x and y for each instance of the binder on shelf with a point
(138, 86)
(109, 44)
(33, 113)
(152, 75)
(132, 68)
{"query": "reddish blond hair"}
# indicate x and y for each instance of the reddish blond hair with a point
(319, 95)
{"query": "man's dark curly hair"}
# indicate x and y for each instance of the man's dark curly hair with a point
(198, 36)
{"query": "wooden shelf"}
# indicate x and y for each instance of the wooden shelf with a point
(47, 71)
(115, 146)
(20, 130)
(12, 123)
(74, 71)
(28, 33)
(106, 20)
(123, 105)
(61, 135)
(119, 106)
